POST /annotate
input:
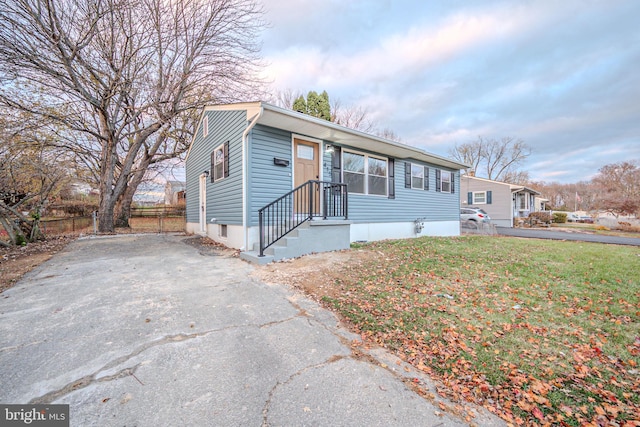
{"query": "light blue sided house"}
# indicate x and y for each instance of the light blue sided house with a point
(276, 184)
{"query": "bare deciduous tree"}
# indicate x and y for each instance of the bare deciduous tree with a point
(568, 197)
(30, 173)
(126, 78)
(618, 185)
(516, 177)
(285, 98)
(351, 116)
(493, 159)
(387, 133)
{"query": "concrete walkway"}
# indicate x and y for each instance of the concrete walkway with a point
(153, 331)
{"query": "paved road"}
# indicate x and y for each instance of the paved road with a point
(154, 331)
(566, 235)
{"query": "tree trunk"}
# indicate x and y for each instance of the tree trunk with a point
(105, 213)
(20, 229)
(108, 161)
(123, 208)
(7, 224)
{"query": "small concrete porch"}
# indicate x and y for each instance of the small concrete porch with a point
(317, 235)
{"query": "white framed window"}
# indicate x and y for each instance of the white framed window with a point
(205, 126)
(365, 174)
(417, 176)
(445, 177)
(523, 201)
(218, 163)
(479, 197)
(377, 180)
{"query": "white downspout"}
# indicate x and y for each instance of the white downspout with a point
(245, 176)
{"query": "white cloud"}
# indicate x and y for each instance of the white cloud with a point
(413, 48)
(560, 75)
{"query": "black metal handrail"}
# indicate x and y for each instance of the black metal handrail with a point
(313, 199)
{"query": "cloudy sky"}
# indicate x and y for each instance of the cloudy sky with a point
(564, 76)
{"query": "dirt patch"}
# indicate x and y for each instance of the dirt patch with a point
(15, 262)
(209, 247)
(316, 274)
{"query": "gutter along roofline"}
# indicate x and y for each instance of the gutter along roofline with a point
(305, 124)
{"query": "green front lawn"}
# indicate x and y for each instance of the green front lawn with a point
(536, 331)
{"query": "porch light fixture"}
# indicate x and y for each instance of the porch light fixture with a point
(206, 174)
(329, 148)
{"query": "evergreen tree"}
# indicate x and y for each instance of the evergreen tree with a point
(324, 108)
(300, 105)
(314, 105)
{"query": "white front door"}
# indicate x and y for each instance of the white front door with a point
(202, 203)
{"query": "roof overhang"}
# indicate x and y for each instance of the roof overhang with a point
(519, 188)
(513, 187)
(303, 124)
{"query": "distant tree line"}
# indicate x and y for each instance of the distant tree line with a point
(614, 189)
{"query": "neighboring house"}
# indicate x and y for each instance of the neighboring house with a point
(333, 185)
(540, 204)
(174, 192)
(502, 201)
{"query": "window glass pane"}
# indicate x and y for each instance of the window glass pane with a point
(478, 197)
(377, 167)
(523, 201)
(446, 181)
(355, 182)
(417, 176)
(353, 162)
(218, 168)
(305, 152)
(378, 185)
(218, 172)
(219, 156)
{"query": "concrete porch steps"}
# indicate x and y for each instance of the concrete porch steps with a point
(310, 237)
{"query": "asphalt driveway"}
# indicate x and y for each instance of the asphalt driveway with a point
(552, 234)
(150, 330)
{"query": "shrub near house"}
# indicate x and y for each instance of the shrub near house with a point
(559, 217)
(541, 217)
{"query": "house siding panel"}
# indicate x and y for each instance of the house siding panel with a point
(224, 197)
(500, 209)
(408, 204)
(267, 182)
